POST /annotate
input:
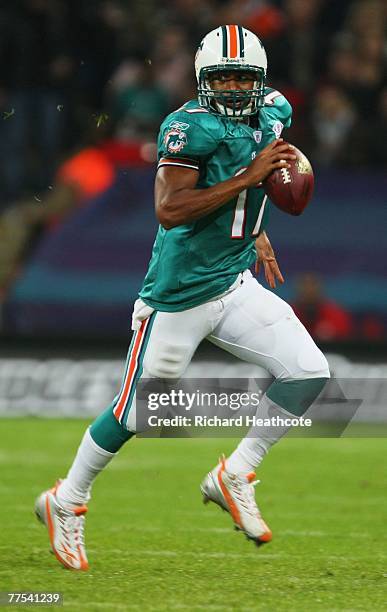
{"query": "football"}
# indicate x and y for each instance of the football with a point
(291, 189)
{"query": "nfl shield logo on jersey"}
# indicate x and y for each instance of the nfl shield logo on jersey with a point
(257, 136)
(277, 128)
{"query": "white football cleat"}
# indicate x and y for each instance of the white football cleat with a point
(65, 529)
(235, 493)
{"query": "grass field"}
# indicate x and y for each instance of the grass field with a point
(152, 545)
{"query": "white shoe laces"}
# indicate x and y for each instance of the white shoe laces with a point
(72, 527)
(244, 491)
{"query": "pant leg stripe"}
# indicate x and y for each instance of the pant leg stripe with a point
(132, 367)
(117, 397)
(139, 369)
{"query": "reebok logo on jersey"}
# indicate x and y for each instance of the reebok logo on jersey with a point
(179, 125)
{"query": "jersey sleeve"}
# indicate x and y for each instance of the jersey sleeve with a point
(276, 116)
(187, 139)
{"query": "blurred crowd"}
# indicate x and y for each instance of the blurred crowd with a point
(84, 85)
(72, 71)
(328, 321)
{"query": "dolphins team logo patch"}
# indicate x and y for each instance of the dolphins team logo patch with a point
(175, 138)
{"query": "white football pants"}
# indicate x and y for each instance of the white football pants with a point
(248, 321)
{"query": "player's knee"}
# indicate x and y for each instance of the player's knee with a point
(306, 376)
(168, 361)
(312, 363)
(297, 355)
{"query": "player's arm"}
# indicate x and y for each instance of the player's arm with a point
(178, 201)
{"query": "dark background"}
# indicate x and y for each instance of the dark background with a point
(83, 88)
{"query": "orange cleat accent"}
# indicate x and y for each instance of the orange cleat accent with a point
(235, 493)
(65, 529)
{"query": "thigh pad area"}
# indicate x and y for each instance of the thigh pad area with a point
(167, 360)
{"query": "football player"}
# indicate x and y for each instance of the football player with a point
(214, 153)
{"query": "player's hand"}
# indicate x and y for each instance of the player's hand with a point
(266, 256)
(275, 155)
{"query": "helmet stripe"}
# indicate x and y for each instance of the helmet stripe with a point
(233, 40)
(241, 42)
(224, 39)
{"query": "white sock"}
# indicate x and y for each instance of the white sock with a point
(90, 460)
(252, 449)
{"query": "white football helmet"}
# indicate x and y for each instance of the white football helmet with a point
(227, 48)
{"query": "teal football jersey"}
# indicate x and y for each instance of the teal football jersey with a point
(193, 263)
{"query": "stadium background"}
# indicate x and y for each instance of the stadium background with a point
(83, 86)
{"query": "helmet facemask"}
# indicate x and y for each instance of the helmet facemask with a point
(232, 103)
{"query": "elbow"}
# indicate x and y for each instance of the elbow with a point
(166, 225)
(165, 217)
